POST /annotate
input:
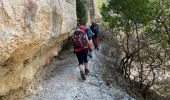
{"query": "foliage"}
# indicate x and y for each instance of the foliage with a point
(162, 18)
(99, 3)
(145, 27)
(81, 12)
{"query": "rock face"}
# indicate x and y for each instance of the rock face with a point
(90, 9)
(31, 32)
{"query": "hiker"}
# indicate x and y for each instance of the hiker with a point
(80, 43)
(89, 34)
(95, 29)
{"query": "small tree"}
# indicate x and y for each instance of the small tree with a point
(142, 55)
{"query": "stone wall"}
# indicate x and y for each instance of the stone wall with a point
(31, 32)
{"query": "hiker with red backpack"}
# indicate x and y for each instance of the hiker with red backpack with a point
(81, 45)
(95, 29)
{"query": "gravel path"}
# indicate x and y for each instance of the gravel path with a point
(62, 81)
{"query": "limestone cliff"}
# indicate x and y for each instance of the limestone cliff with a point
(94, 8)
(90, 10)
(31, 32)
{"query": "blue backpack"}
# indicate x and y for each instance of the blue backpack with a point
(88, 33)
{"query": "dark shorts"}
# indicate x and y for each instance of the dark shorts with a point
(82, 56)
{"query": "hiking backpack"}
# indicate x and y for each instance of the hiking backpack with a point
(95, 28)
(79, 39)
(88, 33)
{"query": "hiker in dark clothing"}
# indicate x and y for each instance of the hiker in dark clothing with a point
(81, 43)
(95, 29)
(89, 34)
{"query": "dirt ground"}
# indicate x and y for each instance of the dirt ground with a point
(62, 81)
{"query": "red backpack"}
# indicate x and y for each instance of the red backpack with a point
(79, 39)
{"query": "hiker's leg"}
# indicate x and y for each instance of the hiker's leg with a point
(90, 53)
(90, 44)
(80, 60)
(86, 68)
(97, 42)
(86, 65)
(81, 65)
(90, 48)
(93, 40)
(86, 61)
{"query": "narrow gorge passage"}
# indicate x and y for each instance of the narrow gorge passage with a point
(62, 81)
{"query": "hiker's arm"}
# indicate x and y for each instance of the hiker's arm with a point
(87, 40)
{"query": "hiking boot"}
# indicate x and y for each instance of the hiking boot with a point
(82, 75)
(87, 71)
(90, 56)
(97, 48)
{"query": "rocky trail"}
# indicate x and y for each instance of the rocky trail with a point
(62, 81)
